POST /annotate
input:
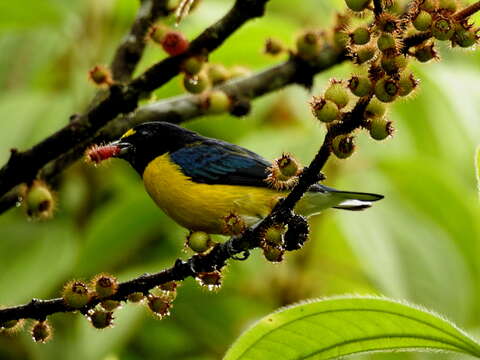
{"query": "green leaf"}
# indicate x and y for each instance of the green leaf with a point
(335, 327)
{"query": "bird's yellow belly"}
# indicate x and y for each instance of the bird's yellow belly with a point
(204, 206)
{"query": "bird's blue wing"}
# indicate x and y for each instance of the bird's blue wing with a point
(217, 162)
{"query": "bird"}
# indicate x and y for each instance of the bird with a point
(199, 181)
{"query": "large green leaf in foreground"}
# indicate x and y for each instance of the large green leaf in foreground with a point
(335, 327)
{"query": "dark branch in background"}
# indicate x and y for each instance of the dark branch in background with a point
(122, 99)
(183, 108)
(217, 258)
(131, 48)
(377, 7)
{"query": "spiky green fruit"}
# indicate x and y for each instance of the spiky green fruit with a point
(364, 54)
(425, 53)
(308, 45)
(375, 108)
(360, 85)
(443, 28)
(360, 36)
(393, 64)
(199, 241)
(343, 146)
(464, 38)
(325, 110)
(386, 90)
(357, 5)
(386, 42)
(423, 21)
(380, 128)
(338, 94)
(407, 83)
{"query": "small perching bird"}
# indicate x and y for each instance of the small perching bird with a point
(199, 181)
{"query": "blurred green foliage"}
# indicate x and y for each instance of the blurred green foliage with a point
(421, 243)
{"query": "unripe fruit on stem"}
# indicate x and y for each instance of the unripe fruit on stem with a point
(193, 65)
(360, 85)
(464, 38)
(386, 43)
(110, 305)
(443, 28)
(217, 73)
(135, 297)
(360, 36)
(357, 5)
(308, 45)
(375, 108)
(429, 5)
(340, 39)
(234, 224)
(39, 201)
(216, 102)
(449, 5)
(157, 33)
(423, 21)
(105, 285)
(100, 76)
(101, 319)
(425, 53)
(394, 64)
(380, 128)
(197, 83)
(338, 94)
(199, 241)
(325, 110)
(343, 146)
(41, 332)
(274, 235)
(386, 90)
(273, 253)
(273, 46)
(288, 166)
(76, 294)
(387, 22)
(159, 306)
(174, 43)
(211, 280)
(364, 54)
(406, 84)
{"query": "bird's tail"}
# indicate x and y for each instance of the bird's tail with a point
(320, 197)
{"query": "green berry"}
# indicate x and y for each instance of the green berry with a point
(39, 201)
(159, 305)
(217, 73)
(288, 166)
(76, 294)
(360, 85)
(338, 94)
(380, 128)
(393, 64)
(364, 54)
(325, 110)
(193, 65)
(216, 102)
(273, 253)
(105, 285)
(449, 5)
(423, 21)
(110, 305)
(199, 241)
(386, 90)
(211, 280)
(196, 84)
(340, 39)
(273, 46)
(386, 43)
(343, 146)
(135, 297)
(101, 319)
(308, 45)
(429, 5)
(274, 235)
(375, 108)
(360, 36)
(443, 29)
(425, 53)
(357, 5)
(464, 38)
(406, 84)
(41, 332)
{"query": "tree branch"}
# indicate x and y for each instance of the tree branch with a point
(183, 108)
(122, 99)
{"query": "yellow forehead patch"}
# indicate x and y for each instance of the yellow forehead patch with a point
(128, 133)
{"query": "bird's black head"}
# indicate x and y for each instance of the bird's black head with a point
(146, 141)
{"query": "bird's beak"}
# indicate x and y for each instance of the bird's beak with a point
(124, 148)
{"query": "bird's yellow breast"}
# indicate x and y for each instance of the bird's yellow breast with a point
(203, 207)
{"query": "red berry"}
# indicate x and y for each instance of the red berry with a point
(174, 43)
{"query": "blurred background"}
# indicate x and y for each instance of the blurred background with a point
(422, 243)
